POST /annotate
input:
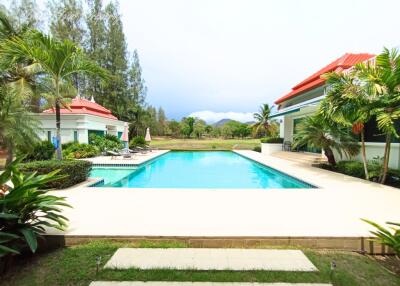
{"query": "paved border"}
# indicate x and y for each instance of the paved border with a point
(211, 259)
(165, 283)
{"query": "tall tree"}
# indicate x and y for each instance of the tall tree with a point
(67, 24)
(56, 60)
(262, 119)
(25, 13)
(96, 46)
(116, 91)
(161, 121)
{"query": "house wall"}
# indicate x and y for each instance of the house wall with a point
(81, 123)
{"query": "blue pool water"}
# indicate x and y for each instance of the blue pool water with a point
(199, 169)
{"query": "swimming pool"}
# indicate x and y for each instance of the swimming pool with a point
(197, 169)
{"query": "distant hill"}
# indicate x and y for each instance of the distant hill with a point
(221, 122)
(225, 120)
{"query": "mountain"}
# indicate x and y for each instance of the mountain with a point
(221, 122)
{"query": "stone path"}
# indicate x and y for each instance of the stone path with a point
(155, 283)
(210, 259)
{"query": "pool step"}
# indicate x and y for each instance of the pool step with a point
(299, 157)
(211, 259)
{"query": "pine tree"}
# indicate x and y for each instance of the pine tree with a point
(67, 24)
(25, 13)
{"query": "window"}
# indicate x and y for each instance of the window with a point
(75, 136)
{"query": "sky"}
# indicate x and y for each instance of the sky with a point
(227, 56)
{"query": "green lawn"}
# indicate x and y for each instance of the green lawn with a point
(204, 144)
(76, 266)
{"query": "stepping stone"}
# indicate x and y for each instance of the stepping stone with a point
(210, 259)
(155, 283)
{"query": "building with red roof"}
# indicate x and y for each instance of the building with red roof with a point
(304, 98)
(83, 118)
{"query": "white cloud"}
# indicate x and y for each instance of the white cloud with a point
(212, 117)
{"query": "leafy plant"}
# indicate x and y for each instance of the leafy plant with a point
(76, 171)
(137, 141)
(272, 140)
(79, 150)
(105, 142)
(25, 210)
(317, 132)
(43, 150)
(389, 237)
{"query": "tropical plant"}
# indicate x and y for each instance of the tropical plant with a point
(17, 126)
(25, 211)
(43, 150)
(262, 119)
(348, 103)
(382, 81)
(80, 150)
(137, 141)
(389, 237)
(104, 143)
(57, 61)
(315, 132)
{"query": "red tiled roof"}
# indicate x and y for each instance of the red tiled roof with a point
(344, 62)
(84, 106)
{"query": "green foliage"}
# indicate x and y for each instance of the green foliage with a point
(199, 128)
(41, 151)
(79, 150)
(272, 140)
(25, 210)
(137, 141)
(317, 132)
(257, 148)
(107, 142)
(389, 237)
(75, 171)
(187, 124)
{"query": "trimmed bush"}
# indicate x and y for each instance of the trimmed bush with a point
(257, 148)
(107, 142)
(76, 171)
(351, 168)
(137, 141)
(275, 140)
(41, 151)
(79, 150)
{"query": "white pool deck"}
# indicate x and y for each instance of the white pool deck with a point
(332, 210)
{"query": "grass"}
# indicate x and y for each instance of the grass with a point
(76, 266)
(204, 144)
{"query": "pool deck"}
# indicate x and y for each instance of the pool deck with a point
(310, 217)
(137, 158)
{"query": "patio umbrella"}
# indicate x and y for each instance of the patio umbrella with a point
(124, 136)
(147, 138)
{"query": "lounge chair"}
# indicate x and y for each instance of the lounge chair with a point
(115, 154)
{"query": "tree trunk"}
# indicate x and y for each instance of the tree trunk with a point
(10, 153)
(58, 127)
(331, 158)
(364, 155)
(386, 158)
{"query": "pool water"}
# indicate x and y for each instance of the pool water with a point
(198, 169)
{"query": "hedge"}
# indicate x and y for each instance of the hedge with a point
(77, 171)
(272, 140)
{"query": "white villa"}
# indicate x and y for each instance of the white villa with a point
(84, 117)
(304, 98)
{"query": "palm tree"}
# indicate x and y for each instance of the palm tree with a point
(348, 103)
(262, 119)
(382, 81)
(315, 132)
(56, 60)
(17, 126)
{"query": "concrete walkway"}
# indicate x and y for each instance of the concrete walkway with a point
(137, 158)
(155, 283)
(210, 259)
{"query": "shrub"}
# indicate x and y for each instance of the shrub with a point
(24, 211)
(137, 141)
(41, 151)
(257, 148)
(76, 171)
(272, 140)
(107, 142)
(80, 150)
(351, 168)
